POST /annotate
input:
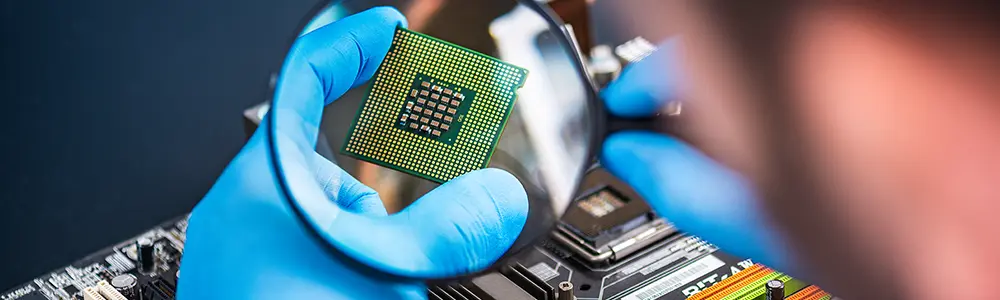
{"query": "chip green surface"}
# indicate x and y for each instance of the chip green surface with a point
(442, 141)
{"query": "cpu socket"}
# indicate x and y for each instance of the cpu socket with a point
(609, 221)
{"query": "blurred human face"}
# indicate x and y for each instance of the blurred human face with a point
(886, 138)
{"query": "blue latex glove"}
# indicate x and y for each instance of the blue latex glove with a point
(243, 241)
(683, 185)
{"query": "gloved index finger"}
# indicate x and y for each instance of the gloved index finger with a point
(323, 64)
(696, 194)
(647, 85)
(320, 67)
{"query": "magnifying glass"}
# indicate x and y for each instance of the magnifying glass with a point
(549, 143)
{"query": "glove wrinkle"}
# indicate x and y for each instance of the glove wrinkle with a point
(319, 81)
(468, 246)
(362, 57)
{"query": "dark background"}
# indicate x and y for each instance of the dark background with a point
(119, 115)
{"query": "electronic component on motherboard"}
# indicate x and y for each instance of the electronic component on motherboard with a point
(609, 222)
(565, 291)
(109, 292)
(146, 258)
(635, 49)
(434, 110)
(114, 273)
(774, 290)
(158, 289)
(90, 293)
(33, 295)
(496, 286)
(125, 284)
(751, 283)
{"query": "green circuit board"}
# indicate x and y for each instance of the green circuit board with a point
(434, 109)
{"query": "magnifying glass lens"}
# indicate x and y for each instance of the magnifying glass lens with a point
(437, 102)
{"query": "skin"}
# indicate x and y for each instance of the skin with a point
(897, 126)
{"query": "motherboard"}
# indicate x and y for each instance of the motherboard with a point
(608, 245)
(611, 245)
(143, 267)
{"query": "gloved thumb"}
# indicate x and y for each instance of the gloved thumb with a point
(464, 225)
(470, 221)
(644, 87)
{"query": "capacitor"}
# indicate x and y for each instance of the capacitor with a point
(565, 291)
(147, 261)
(125, 284)
(775, 290)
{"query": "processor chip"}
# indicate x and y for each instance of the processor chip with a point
(434, 109)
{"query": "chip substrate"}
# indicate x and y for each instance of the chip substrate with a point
(434, 109)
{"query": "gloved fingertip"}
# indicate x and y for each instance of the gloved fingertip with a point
(628, 101)
(390, 14)
(643, 139)
(330, 60)
(646, 85)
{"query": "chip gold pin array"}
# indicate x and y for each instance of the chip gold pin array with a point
(463, 99)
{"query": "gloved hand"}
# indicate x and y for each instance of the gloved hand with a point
(697, 194)
(243, 241)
